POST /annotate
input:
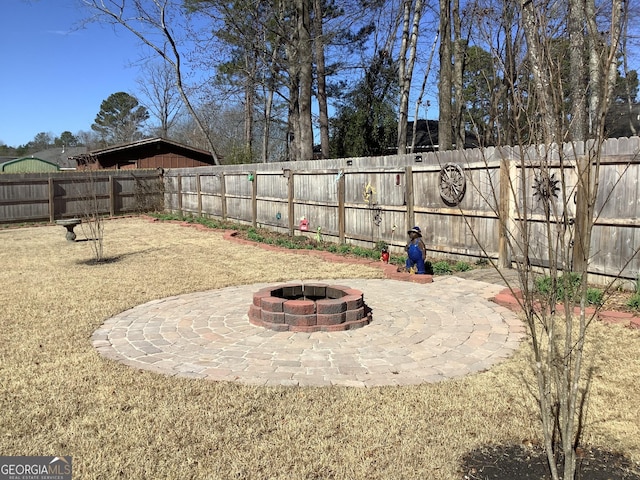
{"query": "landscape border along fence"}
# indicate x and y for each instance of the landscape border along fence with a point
(363, 201)
(34, 197)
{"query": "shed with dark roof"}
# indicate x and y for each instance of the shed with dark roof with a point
(148, 153)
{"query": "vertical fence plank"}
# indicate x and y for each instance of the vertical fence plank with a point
(179, 193)
(52, 204)
(411, 219)
(223, 196)
(254, 200)
(199, 193)
(112, 197)
(341, 211)
(290, 203)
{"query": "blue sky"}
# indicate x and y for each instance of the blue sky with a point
(54, 77)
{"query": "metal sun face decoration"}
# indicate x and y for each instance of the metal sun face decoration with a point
(453, 184)
(545, 186)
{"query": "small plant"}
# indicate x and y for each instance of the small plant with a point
(381, 245)
(442, 268)
(595, 296)
(461, 267)
(634, 301)
(482, 262)
(252, 234)
(567, 286)
(636, 284)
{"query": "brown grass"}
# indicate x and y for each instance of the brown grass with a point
(58, 396)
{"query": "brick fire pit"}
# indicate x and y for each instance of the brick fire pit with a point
(309, 308)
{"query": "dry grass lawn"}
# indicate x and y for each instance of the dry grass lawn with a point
(59, 397)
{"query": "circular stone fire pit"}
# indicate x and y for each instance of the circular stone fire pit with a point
(309, 308)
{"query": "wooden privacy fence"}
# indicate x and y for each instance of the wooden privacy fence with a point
(50, 196)
(365, 201)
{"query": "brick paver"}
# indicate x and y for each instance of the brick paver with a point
(420, 333)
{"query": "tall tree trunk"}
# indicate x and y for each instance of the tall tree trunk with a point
(306, 79)
(509, 118)
(539, 63)
(249, 99)
(405, 70)
(321, 78)
(578, 78)
(458, 71)
(445, 81)
(421, 96)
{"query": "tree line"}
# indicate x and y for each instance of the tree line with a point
(287, 80)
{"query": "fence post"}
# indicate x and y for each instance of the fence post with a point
(583, 212)
(254, 200)
(179, 190)
(341, 212)
(504, 213)
(199, 192)
(411, 218)
(290, 204)
(112, 197)
(223, 196)
(52, 205)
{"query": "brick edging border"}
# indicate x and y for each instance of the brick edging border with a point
(507, 298)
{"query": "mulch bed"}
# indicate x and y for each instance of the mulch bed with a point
(529, 462)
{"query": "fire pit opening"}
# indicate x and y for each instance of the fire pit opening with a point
(309, 308)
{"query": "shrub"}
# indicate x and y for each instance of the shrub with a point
(634, 301)
(442, 268)
(567, 286)
(461, 267)
(381, 245)
(595, 296)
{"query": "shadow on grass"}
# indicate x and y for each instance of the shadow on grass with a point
(111, 259)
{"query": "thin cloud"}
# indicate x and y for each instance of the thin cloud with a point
(62, 32)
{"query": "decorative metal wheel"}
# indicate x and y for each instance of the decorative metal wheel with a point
(453, 184)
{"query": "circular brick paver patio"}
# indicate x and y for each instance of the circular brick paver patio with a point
(420, 333)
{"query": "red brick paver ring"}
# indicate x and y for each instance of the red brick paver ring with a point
(309, 307)
(418, 334)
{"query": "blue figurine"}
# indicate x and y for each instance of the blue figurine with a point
(416, 252)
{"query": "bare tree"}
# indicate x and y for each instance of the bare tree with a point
(410, 17)
(150, 22)
(161, 98)
(545, 202)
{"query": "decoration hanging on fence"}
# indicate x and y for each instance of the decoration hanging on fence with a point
(377, 217)
(278, 216)
(453, 184)
(250, 177)
(545, 186)
(367, 194)
(304, 224)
